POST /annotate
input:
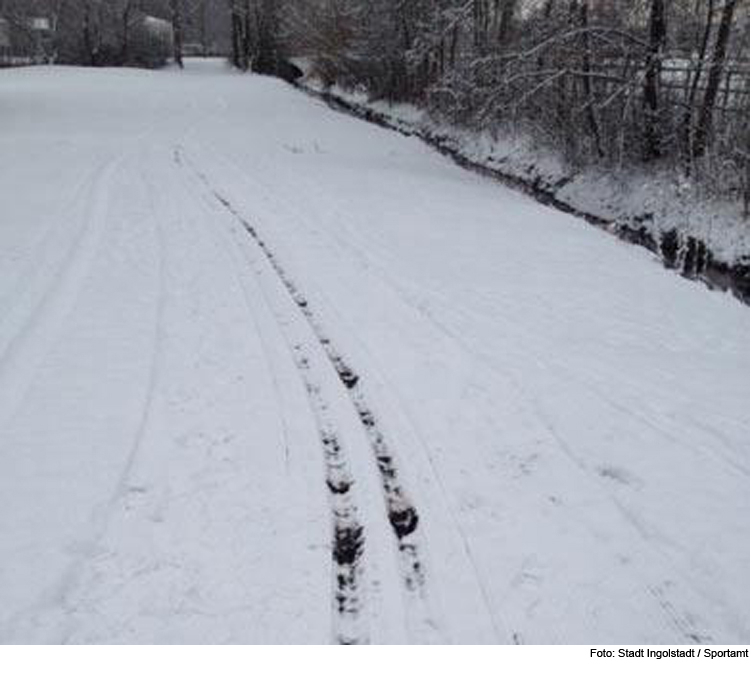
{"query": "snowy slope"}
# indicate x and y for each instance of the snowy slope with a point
(655, 202)
(271, 374)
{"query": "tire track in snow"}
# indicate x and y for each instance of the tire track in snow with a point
(26, 278)
(402, 515)
(73, 581)
(63, 598)
(40, 319)
(348, 532)
(348, 544)
(348, 537)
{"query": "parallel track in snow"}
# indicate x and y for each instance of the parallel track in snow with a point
(402, 514)
(29, 328)
(349, 539)
(349, 546)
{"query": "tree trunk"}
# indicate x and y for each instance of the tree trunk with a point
(705, 120)
(547, 12)
(203, 27)
(588, 88)
(247, 32)
(480, 26)
(657, 42)
(267, 59)
(237, 35)
(694, 84)
(126, 14)
(176, 6)
(506, 21)
(90, 34)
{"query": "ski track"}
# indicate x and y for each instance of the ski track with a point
(60, 597)
(43, 246)
(682, 625)
(401, 512)
(348, 539)
(42, 318)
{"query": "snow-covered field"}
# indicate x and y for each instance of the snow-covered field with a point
(271, 374)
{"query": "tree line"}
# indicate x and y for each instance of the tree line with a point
(617, 81)
(115, 32)
(612, 81)
(146, 32)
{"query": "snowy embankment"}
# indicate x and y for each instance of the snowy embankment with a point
(704, 239)
(269, 373)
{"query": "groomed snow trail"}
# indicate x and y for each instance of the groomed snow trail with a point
(349, 535)
(269, 374)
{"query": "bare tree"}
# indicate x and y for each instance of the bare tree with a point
(715, 71)
(657, 44)
(177, 14)
(505, 19)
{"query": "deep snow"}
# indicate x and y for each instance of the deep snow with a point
(236, 326)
